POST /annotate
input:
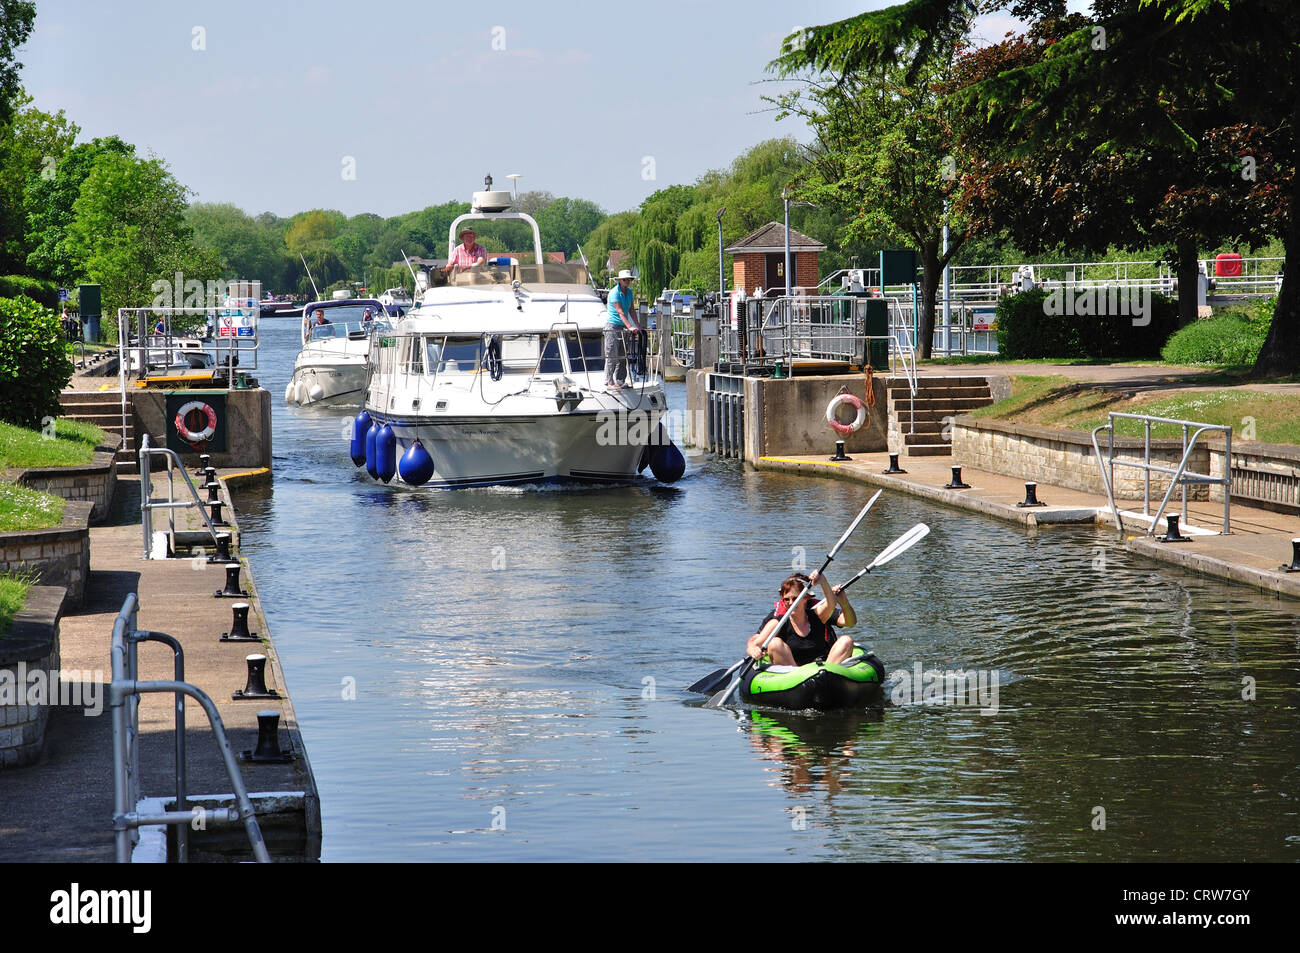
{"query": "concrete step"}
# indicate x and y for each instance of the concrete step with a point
(904, 416)
(953, 405)
(923, 382)
(923, 428)
(932, 393)
(927, 450)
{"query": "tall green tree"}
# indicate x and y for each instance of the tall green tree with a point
(49, 201)
(129, 231)
(1208, 77)
(884, 153)
(32, 145)
(16, 20)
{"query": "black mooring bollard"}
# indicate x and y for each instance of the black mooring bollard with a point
(1031, 496)
(893, 465)
(255, 687)
(232, 583)
(956, 483)
(210, 474)
(217, 520)
(839, 451)
(268, 741)
(1295, 558)
(1171, 534)
(222, 555)
(239, 626)
(214, 491)
(205, 461)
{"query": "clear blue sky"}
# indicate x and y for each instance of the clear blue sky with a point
(421, 96)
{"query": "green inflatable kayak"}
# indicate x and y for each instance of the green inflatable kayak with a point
(855, 683)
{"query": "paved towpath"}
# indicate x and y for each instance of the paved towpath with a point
(61, 808)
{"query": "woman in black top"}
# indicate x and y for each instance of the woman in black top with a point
(808, 634)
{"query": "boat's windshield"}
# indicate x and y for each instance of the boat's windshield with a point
(502, 270)
(350, 321)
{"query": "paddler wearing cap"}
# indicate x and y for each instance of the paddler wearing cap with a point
(467, 254)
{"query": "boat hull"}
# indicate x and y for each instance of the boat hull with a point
(817, 685)
(523, 449)
(326, 384)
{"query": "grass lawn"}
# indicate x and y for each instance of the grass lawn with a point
(1059, 402)
(13, 591)
(73, 443)
(21, 508)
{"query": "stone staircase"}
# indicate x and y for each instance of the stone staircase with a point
(104, 410)
(917, 425)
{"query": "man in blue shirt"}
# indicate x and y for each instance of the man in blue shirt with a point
(621, 318)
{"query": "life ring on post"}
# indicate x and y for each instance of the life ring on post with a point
(852, 401)
(200, 436)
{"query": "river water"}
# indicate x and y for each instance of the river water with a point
(499, 674)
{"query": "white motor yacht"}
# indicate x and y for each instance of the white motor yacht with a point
(497, 376)
(331, 367)
(397, 301)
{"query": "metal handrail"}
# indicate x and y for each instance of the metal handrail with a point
(147, 506)
(1179, 476)
(124, 703)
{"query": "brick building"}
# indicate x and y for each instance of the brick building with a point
(759, 260)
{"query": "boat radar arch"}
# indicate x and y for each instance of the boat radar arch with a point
(494, 205)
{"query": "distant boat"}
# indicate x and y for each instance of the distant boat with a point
(331, 367)
(396, 301)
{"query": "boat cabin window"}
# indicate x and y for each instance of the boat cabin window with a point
(592, 352)
(550, 363)
(413, 355)
(454, 355)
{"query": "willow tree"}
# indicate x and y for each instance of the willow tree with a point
(1135, 80)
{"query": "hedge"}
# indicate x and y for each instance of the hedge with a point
(38, 289)
(34, 365)
(1065, 323)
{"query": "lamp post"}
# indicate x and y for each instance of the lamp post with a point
(785, 200)
(722, 275)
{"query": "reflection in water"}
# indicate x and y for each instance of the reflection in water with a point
(520, 659)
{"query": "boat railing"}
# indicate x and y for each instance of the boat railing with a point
(124, 693)
(1178, 476)
(148, 504)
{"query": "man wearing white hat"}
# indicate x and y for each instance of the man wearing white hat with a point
(621, 318)
(467, 254)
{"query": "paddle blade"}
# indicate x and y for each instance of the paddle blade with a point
(722, 697)
(714, 680)
(901, 545)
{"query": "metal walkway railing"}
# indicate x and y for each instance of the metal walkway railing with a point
(124, 704)
(148, 505)
(1178, 476)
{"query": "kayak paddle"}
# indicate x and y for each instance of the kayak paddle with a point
(720, 699)
(894, 549)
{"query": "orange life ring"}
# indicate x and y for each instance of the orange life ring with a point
(206, 433)
(852, 401)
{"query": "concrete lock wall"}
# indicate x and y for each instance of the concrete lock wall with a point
(248, 426)
(788, 417)
(997, 446)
